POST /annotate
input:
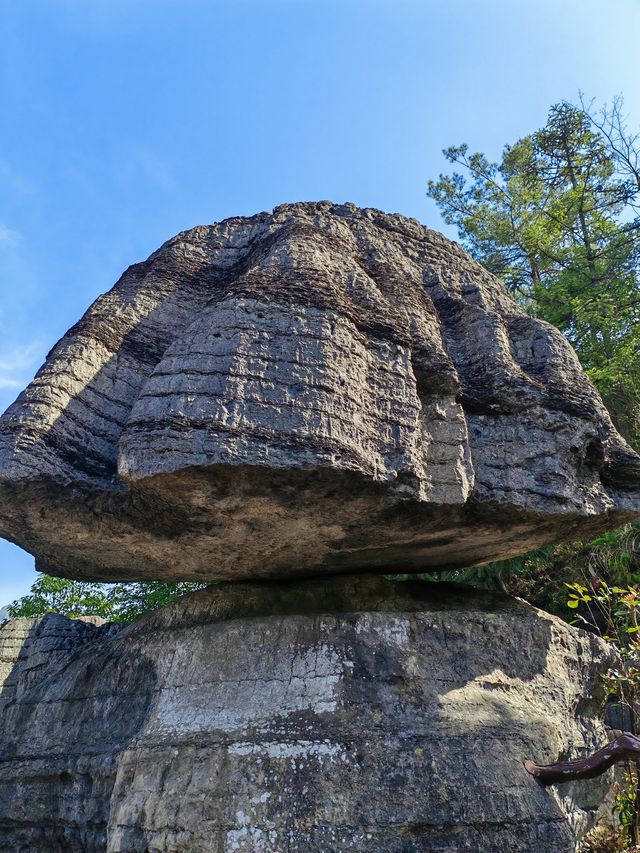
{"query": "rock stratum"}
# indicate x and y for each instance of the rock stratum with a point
(319, 389)
(336, 714)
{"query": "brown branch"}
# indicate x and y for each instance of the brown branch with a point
(623, 748)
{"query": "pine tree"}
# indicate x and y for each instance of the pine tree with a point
(557, 219)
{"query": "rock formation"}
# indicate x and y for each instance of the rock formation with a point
(316, 390)
(325, 715)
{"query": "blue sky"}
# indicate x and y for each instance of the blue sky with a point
(126, 121)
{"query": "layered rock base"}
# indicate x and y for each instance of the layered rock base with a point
(245, 718)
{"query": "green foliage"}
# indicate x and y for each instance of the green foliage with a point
(625, 804)
(541, 576)
(114, 602)
(557, 219)
(501, 574)
(612, 612)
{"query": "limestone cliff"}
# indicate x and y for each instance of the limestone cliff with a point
(317, 389)
(329, 715)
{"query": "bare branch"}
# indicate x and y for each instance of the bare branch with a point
(623, 748)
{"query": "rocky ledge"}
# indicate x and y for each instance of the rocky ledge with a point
(350, 713)
(317, 389)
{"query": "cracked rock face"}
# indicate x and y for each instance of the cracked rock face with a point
(329, 715)
(318, 389)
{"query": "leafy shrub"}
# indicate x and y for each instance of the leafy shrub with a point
(120, 602)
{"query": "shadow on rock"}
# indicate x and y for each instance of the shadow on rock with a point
(69, 704)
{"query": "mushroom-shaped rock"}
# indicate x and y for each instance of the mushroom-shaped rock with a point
(317, 389)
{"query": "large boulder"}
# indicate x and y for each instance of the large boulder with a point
(324, 715)
(317, 389)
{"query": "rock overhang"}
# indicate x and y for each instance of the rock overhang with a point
(319, 389)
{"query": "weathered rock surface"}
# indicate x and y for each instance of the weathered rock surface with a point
(317, 389)
(349, 713)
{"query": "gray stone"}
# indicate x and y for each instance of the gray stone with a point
(318, 389)
(350, 713)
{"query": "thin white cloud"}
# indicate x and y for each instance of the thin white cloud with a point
(18, 364)
(20, 357)
(14, 181)
(6, 383)
(155, 169)
(142, 164)
(8, 236)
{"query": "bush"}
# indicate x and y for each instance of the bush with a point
(120, 602)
